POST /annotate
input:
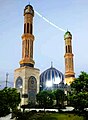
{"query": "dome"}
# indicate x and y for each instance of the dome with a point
(67, 35)
(28, 10)
(51, 79)
(29, 6)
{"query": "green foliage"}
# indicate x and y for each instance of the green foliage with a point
(59, 97)
(45, 98)
(81, 83)
(48, 116)
(9, 99)
(79, 92)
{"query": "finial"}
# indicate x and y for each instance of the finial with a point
(29, 2)
(51, 64)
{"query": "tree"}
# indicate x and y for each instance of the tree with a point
(4, 109)
(45, 99)
(9, 99)
(79, 92)
(59, 97)
(13, 98)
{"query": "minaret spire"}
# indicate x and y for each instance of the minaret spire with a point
(69, 65)
(26, 78)
(29, 2)
(28, 38)
(51, 64)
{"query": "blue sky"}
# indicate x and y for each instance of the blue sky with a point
(49, 41)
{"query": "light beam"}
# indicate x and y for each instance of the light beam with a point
(45, 19)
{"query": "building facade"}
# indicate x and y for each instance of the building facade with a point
(27, 78)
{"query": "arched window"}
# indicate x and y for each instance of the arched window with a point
(32, 89)
(19, 82)
(30, 28)
(27, 27)
(66, 49)
(32, 83)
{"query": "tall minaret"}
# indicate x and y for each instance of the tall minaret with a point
(69, 65)
(27, 38)
(26, 78)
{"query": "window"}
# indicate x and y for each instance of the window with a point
(30, 28)
(66, 49)
(27, 27)
(19, 82)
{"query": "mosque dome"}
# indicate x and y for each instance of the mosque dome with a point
(28, 6)
(67, 35)
(29, 10)
(51, 79)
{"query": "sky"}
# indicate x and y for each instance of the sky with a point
(49, 44)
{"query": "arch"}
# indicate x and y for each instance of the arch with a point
(19, 82)
(32, 89)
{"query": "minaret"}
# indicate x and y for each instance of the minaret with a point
(69, 65)
(27, 38)
(26, 78)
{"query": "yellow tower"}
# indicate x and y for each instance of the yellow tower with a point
(26, 78)
(69, 65)
(27, 38)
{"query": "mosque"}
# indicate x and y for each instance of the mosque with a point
(27, 78)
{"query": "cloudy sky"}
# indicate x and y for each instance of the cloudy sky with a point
(69, 15)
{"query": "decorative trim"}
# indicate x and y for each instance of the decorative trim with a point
(66, 76)
(24, 95)
(26, 64)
